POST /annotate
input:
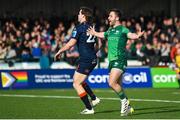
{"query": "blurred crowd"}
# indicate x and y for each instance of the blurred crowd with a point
(32, 39)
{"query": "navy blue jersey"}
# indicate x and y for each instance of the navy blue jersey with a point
(85, 43)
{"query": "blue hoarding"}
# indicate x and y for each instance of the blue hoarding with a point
(16, 79)
(63, 78)
(98, 78)
(132, 78)
(51, 78)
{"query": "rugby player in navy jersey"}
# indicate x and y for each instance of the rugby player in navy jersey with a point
(87, 60)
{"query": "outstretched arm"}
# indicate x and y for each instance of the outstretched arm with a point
(92, 31)
(135, 35)
(71, 43)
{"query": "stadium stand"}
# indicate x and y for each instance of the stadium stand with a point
(24, 40)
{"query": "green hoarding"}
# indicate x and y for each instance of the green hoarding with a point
(164, 78)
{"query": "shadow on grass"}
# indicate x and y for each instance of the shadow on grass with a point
(108, 111)
(156, 110)
(151, 108)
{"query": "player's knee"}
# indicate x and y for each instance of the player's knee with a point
(111, 84)
(75, 85)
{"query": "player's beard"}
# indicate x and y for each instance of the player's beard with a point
(112, 23)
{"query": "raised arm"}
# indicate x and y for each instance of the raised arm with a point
(70, 44)
(92, 31)
(135, 35)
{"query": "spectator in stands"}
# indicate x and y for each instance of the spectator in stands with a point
(36, 51)
(2, 51)
(18, 50)
(11, 53)
(177, 25)
(156, 45)
(140, 53)
(26, 37)
(26, 55)
(150, 54)
(165, 51)
(45, 60)
(173, 51)
(26, 50)
(19, 36)
(101, 46)
(21, 32)
(72, 55)
(129, 50)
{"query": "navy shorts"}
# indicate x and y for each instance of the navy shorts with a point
(86, 67)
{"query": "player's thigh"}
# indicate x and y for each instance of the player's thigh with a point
(85, 68)
(116, 68)
(79, 77)
(115, 75)
(119, 64)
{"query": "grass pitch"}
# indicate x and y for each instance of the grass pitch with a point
(64, 104)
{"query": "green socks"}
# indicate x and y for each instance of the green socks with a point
(121, 95)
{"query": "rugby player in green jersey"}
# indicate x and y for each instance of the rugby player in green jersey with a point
(117, 36)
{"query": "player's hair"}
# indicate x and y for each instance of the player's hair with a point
(117, 12)
(88, 13)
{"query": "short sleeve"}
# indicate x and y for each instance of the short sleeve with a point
(106, 34)
(75, 33)
(125, 30)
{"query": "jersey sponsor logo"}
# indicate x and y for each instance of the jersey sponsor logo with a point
(116, 32)
(116, 64)
(113, 30)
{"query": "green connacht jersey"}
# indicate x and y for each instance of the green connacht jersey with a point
(117, 39)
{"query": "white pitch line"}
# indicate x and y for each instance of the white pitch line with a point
(176, 93)
(74, 97)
